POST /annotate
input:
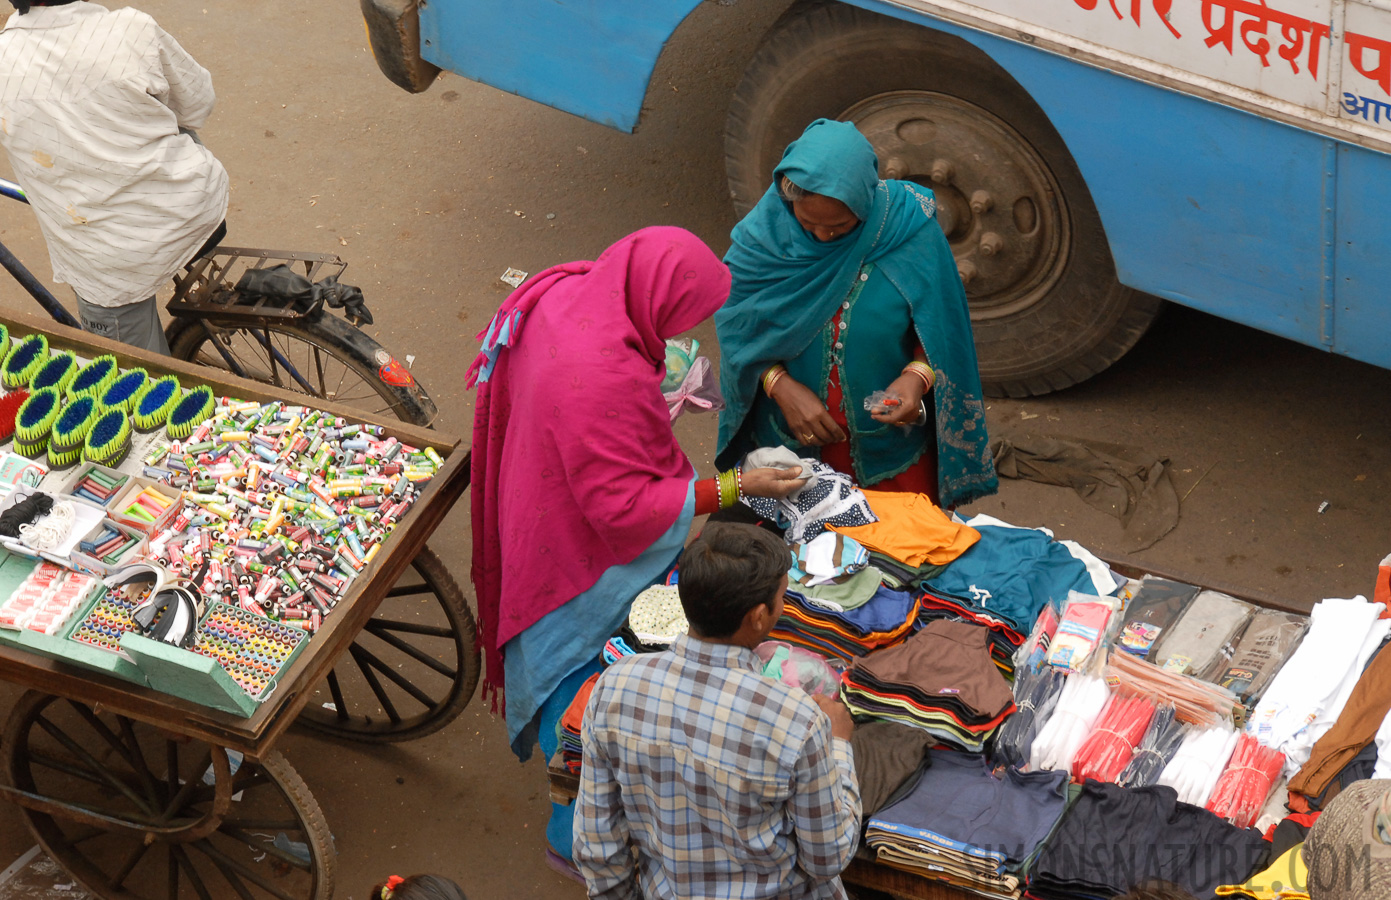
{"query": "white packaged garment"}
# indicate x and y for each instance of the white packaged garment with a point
(1195, 768)
(1079, 705)
(1305, 698)
(1383, 739)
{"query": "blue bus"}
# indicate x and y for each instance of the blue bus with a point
(1091, 159)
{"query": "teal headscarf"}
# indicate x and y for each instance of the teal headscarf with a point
(787, 285)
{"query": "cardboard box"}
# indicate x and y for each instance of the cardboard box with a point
(80, 471)
(91, 565)
(127, 496)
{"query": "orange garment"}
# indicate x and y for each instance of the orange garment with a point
(574, 714)
(911, 529)
(1356, 728)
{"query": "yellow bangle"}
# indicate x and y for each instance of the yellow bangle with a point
(728, 484)
(771, 377)
(923, 371)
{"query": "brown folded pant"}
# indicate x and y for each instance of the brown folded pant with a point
(1356, 728)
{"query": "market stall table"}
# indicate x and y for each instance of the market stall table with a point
(139, 793)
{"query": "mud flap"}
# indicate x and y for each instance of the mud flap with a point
(393, 28)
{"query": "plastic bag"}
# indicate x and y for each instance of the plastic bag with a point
(1036, 694)
(681, 354)
(882, 401)
(1247, 781)
(1079, 705)
(1107, 750)
(800, 668)
(1195, 768)
(1034, 652)
(1156, 748)
(1081, 631)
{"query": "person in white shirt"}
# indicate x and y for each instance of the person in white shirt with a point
(96, 110)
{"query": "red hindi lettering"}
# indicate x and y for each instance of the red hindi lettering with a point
(1358, 46)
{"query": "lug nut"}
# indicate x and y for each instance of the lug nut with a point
(895, 168)
(991, 243)
(942, 171)
(982, 203)
(967, 271)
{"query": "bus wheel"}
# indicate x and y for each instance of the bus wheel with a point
(1046, 306)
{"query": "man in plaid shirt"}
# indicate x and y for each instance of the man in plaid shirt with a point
(701, 777)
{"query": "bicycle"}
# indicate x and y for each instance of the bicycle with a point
(271, 340)
(422, 668)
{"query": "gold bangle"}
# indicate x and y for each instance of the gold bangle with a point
(771, 376)
(923, 371)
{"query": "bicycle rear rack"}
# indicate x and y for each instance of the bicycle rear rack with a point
(208, 289)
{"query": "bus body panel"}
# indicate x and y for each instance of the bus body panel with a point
(1362, 271)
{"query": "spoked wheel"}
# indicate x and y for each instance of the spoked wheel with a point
(322, 357)
(410, 671)
(135, 813)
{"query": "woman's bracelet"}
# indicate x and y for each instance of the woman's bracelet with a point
(923, 371)
(728, 483)
(771, 377)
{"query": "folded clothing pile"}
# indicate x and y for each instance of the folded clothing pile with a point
(941, 680)
(1004, 581)
(886, 619)
(1114, 838)
(833, 570)
(964, 825)
(567, 730)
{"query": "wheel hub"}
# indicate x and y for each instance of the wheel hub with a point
(997, 202)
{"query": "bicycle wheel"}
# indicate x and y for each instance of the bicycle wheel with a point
(322, 357)
(411, 670)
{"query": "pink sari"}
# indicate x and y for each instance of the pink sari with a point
(575, 467)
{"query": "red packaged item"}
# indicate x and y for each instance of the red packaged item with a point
(1246, 783)
(1108, 749)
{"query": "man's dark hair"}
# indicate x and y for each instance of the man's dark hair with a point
(419, 887)
(727, 571)
(25, 5)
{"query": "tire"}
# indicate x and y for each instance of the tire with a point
(344, 705)
(323, 343)
(1047, 308)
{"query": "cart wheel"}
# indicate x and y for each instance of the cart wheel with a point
(136, 813)
(413, 668)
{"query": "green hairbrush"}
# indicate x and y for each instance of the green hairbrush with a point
(27, 357)
(5, 345)
(57, 372)
(36, 417)
(70, 431)
(152, 405)
(109, 440)
(94, 378)
(124, 390)
(195, 407)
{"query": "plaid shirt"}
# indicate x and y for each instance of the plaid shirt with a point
(704, 779)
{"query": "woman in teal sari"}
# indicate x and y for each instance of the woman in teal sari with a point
(845, 285)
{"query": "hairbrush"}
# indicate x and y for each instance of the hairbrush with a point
(109, 440)
(9, 410)
(35, 419)
(57, 372)
(94, 378)
(70, 432)
(5, 345)
(24, 360)
(123, 391)
(153, 404)
(195, 407)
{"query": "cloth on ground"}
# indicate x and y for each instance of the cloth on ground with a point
(889, 758)
(830, 498)
(1194, 644)
(1130, 484)
(911, 529)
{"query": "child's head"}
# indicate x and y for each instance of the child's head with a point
(1155, 890)
(418, 887)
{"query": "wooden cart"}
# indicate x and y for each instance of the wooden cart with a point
(867, 873)
(140, 794)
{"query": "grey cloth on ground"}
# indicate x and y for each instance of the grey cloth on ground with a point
(1133, 485)
(889, 760)
(1196, 642)
(136, 324)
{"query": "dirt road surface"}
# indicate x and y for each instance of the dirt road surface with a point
(431, 197)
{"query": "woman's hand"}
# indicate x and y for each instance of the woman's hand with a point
(808, 420)
(775, 483)
(910, 389)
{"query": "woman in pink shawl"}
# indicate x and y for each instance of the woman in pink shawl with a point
(581, 494)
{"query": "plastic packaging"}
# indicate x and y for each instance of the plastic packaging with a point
(1079, 706)
(1156, 748)
(1195, 768)
(800, 668)
(1195, 702)
(1107, 750)
(1247, 781)
(1081, 631)
(1033, 652)
(1036, 694)
(882, 401)
(680, 354)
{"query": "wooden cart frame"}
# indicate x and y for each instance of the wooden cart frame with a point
(129, 759)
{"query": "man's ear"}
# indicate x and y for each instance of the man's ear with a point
(758, 620)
